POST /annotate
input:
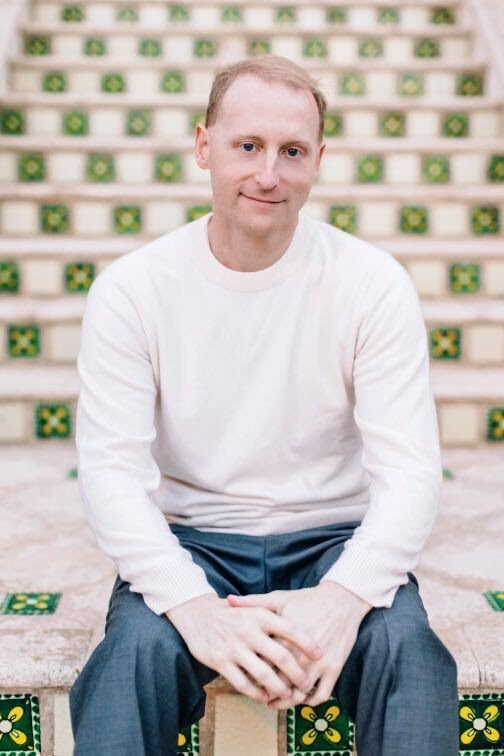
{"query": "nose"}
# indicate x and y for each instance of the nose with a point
(268, 176)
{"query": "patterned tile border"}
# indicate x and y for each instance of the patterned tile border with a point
(19, 725)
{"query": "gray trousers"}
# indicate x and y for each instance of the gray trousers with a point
(141, 685)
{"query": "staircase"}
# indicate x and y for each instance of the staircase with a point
(97, 157)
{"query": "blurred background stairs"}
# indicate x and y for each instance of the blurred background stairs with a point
(97, 116)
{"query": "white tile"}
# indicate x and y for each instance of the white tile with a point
(43, 122)
(178, 49)
(63, 342)
(455, 48)
(397, 49)
(449, 219)
(8, 167)
(143, 82)
(377, 219)
(101, 13)
(316, 210)
(310, 16)
(66, 167)
(84, 81)
(414, 17)
(381, 84)
(468, 168)
(205, 15)
(26, 80)
(459, 423)
(439, 84)
(422, 123)
(199, 83)
(484, 344)
(63, 735)
(93, 218)
(107, 122)
(193, 172)
(122, 45)
(42, 277)
(19, 218)
(241, 723)
(361, 123)
(288, 46)
(135, 167)
(169, 122)
(429, 276)
(46, 13)
(233, 48)
(484, 123)
(67, 45)
(153, 15)
(493, 275)
(361, 16)
(342, 49)
(255, 16)
(402, 168)
(13, 421)
(161, 217)
(337, 168)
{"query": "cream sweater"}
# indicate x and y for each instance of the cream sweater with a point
(256, 402)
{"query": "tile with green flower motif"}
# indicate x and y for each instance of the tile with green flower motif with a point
(481, 724)
(495, 424)
(324, 730)
(445, 343)
(23, 340)
(21, 733)
(465, 278)
(79, 276)
(53, 421)
(29, 603)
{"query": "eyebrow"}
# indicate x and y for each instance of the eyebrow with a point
(299, 142)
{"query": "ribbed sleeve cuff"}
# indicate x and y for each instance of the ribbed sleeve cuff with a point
(175, 583)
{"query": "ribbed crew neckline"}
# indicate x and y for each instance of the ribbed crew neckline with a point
(212, 269)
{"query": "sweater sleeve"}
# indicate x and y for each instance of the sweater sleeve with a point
(116, 470)
(396, 415)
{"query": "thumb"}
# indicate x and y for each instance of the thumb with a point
(273, 600)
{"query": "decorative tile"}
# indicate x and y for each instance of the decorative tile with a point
(196, 211)
(285, 13)
(127, 219)
(411, 84)
(31, 167)
(388, 15)
(445, 343)
(168, 168)
(465, 278)
(495, 431)
(101, 168)
(79, 276)
(54, 219)
(113, 83)
(23, 340)
(37, 45)
(496, 598)
(369, 169)
(455, 125)
(496, 168)
(353, 84)
(470, 85)
(72, 472)
(9, 276)
(319, 730)
(12, 122)
(448, 474)
(138, 123)
(54, 82)
(314, 48)
(370, 48)
(72, 13)
(414, 219)
(204, 48)
(188, 740)
(427, 48)
(52, 421)
(333, 124)
(259, 46)
(179, 12)
(436, 169)
(29, 603)
(128, 13)
(442, 15)
(231, 13)
(481, 724)
(150, 48)
(485, 219)
(75, 123)
(173, 82)
(20, 724)
(337, 14)
(344, 217)
(392, 124)
(95, 46)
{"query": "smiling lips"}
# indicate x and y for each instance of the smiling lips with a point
(269, 202)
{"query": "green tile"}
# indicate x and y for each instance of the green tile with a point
(9, 276)
(204, 48)
(495, 170)
(369, 169)
(333, 124)
(481, 724)
(54, 81)
(353, 84)
(465, 278)
(445, 343)
(127, 219)
(23, 709)
(23, 340)
(72, 13)
(113, 83)
(37, 45)
(442, 15)
(496, 598)
(95, 46)
(485, 219)
(173, 82)
(314, 48)
(392, 124)
(411, 84)
(197, 211)
(336, 14)
(79, 276)
(436, 169)
(370, 48)
(344, 217)
(31, 167)
(414, 219)
(138, 123)
(231, 13)
(388, 15)
(150, 48)
(168, 168)
(285, 13)
(495, 432)
(179, 12)
(428, 47)
(54, 219)
(75, 123)
(188, 740)
(259, 47)
(53, 420)
(470, 85)
(100, 168)
(127, 13)
(12, 122)
(455, 125)
(323, 729)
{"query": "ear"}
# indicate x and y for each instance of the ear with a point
(202, 146)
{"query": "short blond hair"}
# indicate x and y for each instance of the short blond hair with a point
(268, 68)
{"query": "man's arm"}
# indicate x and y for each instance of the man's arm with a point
(396, 415)
(116, 470)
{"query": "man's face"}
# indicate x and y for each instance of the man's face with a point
(263, 146)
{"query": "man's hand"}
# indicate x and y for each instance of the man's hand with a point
(238, 641)
(331, 615)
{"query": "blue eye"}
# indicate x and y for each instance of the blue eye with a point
(244, 144)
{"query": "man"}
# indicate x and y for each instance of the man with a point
(233, 373)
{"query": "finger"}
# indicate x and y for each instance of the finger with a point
(297, 697)
(267, 600)
(304, 660)
(242, 683)
(324, 689)
(261, 672)
(274, 651)
(278, 625)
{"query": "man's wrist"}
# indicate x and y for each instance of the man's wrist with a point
(333, 587)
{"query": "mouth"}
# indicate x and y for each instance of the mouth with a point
(262, 202)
